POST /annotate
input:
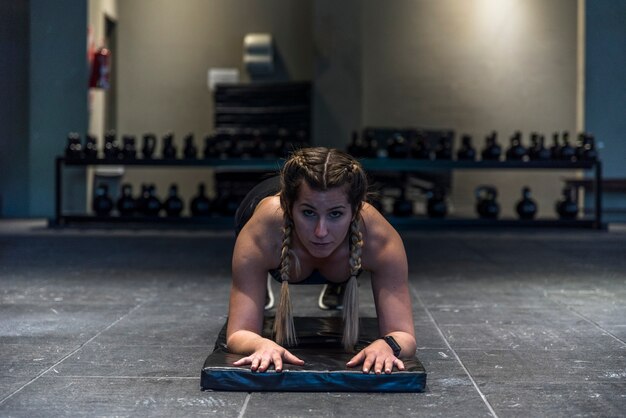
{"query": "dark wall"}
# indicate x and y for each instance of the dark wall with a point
(57, 90)
(14, 76)
(605, 81)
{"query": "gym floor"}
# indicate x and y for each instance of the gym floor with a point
(119, 323)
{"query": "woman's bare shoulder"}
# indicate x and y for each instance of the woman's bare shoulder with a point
(378, 234)
(262, 234)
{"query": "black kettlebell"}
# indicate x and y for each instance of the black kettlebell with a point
(152, 204)
(586, 150)
(210, 147)
(467, 151)
(486, 204)
(555, 149)
(190, 151)
(526, 208)
(169, 149)
(516, 151)
(492, 149)
(173, 204)
(201, 204)
(444, 148)
(226, 203)
(436, 206)
(90, 148)
(74, 149)
(420, 149)
(402, 207)
(567, 152)
(102, 203)
(148, 147)
(537, 150)
(398, 147)
(111, 148)
(567, 206)
(129, 150)
(126, 205)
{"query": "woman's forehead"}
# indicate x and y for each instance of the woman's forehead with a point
(336, 196)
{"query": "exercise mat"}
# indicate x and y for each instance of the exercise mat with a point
(319, 345)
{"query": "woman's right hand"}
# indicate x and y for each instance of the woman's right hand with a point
(267, 353)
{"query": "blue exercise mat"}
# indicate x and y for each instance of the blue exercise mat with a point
(319, 345)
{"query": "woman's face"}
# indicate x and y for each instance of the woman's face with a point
(321, 219)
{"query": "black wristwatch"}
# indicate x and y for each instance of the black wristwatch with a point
(393, 344)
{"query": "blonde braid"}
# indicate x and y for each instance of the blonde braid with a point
(351, 295)
(284, 329)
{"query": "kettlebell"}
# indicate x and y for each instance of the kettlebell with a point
(190, 151)
(567, 206)
(420, 149)
(492, 149)
(91, 147)
(74, 149)
(398, 147)
(210, 147)
(436, 206)
(586, 150)
(516, 151)
(467, 151)
(102, 203)
(444, 148)
(537, 150)
(526, 208)
(129, 150)
(169, 149)
(555, 149)
(111, 148)
(567, 152)
(200, 204)
(226, 203)
(152, 204)
(486, 204)
(149, 145)
(173, 205)
(126, 205)
(402, 207)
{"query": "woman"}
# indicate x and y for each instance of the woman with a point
(318, 225)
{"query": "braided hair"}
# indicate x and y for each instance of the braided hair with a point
(322, 169)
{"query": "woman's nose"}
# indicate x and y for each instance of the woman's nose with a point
(320, 229)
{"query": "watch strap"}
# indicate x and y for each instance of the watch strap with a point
(393, 344)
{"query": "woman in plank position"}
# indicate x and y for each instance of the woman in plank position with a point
(314, 225)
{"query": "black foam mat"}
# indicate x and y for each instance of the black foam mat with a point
(319, 345)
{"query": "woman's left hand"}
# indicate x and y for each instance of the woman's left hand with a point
(377, 356)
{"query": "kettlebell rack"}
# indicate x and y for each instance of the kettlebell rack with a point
(373, 165)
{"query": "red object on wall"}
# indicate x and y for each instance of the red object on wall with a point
(100, 69)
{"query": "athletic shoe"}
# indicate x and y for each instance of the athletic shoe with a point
(331, 297)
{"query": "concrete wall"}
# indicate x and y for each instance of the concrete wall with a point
(476, 66)
(14, 79)
(165, 49)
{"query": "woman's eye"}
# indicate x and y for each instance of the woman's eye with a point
(308, 212)
(335, 214)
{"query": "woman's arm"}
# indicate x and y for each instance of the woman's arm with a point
(384, 256)
(255, 253)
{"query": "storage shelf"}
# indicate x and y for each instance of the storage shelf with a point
(370, 164)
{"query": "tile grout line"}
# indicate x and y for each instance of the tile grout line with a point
(245, 406)
(445, 340)
(2, 401)
(584, 318)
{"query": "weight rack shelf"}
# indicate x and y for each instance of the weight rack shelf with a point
(370, 164)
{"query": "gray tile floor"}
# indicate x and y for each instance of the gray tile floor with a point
(118, 323)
